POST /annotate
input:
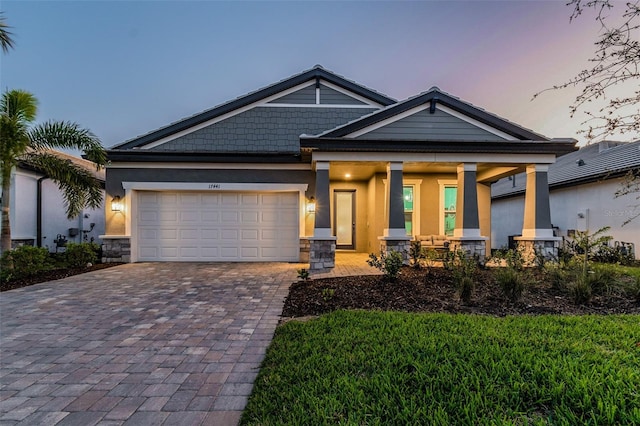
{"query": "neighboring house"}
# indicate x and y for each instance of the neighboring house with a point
(38, 215)
(582, 188)
(315, 163)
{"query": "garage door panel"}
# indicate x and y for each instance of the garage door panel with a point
(210, 234)
(149, 216)
(193, 226)
(230, 199)
(249, 252)
(250, 199)
(168, 216)
(190, 216)
(229, 217)
(168, 253)
(249, 234)
(168, 234)
(168, 199)
(249, 217)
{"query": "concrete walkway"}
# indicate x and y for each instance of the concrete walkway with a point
(139, 344)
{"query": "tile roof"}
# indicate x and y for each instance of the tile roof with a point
(593, 162)
(90, 166)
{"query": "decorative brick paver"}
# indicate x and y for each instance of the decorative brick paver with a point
(137, 344)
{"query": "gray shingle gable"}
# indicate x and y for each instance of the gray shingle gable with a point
(424, 125)
(315, 73)
(262, 129)
(433, 97)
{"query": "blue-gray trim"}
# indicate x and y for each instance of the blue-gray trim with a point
(203, 157)
(396, 200)
(316, 72)
(337, 144)
(543, 209)
(323, 211)
(434, 95)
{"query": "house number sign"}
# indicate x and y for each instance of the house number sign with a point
(214, 186)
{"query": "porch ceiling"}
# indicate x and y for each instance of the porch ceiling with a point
(358, 171)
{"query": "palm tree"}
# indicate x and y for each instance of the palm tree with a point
(22, 142)
(6, 42)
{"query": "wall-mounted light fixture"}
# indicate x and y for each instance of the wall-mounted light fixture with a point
(116, 204)
(311, 205)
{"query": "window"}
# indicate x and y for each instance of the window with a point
(449, 214)
(407, 197)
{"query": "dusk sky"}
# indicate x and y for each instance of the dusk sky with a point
(124, 68)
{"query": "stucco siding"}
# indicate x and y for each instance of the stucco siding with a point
(595, 201)
(361, 214)
(425, 126)
(263, 129)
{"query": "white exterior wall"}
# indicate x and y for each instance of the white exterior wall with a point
(23, 213)
(54, 219)
(23, 194)
(594, 201)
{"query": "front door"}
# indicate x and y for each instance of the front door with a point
(344, 219)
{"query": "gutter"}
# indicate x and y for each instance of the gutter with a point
(39, 210)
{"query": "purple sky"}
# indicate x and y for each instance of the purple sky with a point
(124, 68)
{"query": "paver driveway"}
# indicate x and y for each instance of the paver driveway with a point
(150, 343)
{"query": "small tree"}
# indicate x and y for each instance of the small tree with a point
(33, 145)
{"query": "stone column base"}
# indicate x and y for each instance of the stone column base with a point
(116, 249)
(322, 253)
(305, 247)
(471, 246)
(546, 247)
(401, 245)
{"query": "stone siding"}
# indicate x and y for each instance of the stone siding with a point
(116, 250)
(322, 254)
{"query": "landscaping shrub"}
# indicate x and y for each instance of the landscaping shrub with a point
(416, 253)
(23, 261)
(580, 290)
(463, 268)
(388, 263)
(512, 283)
(513, 277)
(79, 255)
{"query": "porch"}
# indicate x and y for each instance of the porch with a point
(368, 206)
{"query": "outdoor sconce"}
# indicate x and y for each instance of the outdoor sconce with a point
(311, 205)
(116, 204)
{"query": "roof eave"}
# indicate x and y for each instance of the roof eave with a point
(314, 73)
(554, 146)
(446, 100)
(133, 156)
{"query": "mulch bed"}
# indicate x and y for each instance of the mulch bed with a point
(54, 274)
(434, 291)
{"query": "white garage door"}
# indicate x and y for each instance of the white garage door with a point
(217, 226)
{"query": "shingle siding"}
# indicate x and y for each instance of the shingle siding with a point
(333, 97)
(437, 126)
(263, 129)
(303, 96)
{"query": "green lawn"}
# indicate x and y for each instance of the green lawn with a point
(388, 368)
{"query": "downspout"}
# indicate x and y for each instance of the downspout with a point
(39, 211)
